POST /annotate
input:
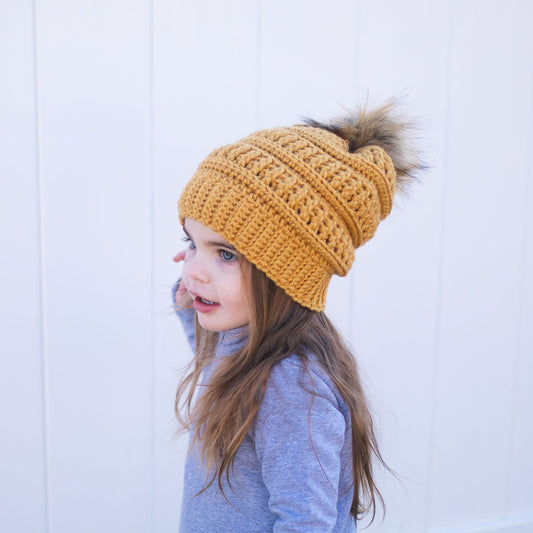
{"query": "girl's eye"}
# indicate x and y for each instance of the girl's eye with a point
(227, 255)
(189, 241)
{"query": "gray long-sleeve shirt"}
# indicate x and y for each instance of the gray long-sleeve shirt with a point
(292, 471)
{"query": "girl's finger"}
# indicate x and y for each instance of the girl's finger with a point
(180, 256)
(182, 297)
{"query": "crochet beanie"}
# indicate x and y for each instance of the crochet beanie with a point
(297, 201)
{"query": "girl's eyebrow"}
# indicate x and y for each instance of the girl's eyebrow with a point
(216, 244)
(223, 244)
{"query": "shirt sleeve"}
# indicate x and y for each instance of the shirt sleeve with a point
(299, 434)
(186, 317)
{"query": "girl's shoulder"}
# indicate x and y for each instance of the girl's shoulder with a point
(302, 377)
(301, 402)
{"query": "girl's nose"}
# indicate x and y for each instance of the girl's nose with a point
(195, 268)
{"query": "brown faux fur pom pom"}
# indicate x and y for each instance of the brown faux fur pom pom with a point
(383, 127)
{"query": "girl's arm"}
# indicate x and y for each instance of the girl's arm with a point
(300, 442)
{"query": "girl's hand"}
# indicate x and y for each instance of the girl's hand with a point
(182, 298)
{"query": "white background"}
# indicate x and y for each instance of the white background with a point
(107, 107)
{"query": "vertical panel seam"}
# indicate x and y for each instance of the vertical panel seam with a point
(440, 276)
(528, 190)
(352, 273)
(153, 496)
(42, 286)
(259, 67)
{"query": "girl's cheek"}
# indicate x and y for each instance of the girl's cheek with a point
(185, 269)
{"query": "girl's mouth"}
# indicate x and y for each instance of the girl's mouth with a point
(204, 306)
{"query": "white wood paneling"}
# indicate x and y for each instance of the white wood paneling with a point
(519, 495)
(205, 95)
(523, 524)
(100, 131)
(396, 274)
(22, 444)
(307, 60)
(480, 305)
(93, 82)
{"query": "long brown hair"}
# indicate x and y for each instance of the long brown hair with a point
(223, 413)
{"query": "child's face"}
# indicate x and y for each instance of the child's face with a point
(213, 275)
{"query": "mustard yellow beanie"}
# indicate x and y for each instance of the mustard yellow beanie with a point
(297, 201)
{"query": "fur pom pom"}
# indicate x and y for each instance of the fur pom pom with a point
(383, 127)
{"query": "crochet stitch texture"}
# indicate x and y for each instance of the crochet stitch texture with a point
(295, 202)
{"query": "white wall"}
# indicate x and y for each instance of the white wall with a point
(106, 108)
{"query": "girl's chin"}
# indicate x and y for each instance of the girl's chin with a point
(210, 324)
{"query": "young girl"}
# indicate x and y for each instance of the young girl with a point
(281, 433)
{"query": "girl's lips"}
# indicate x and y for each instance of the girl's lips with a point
(201, 306)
